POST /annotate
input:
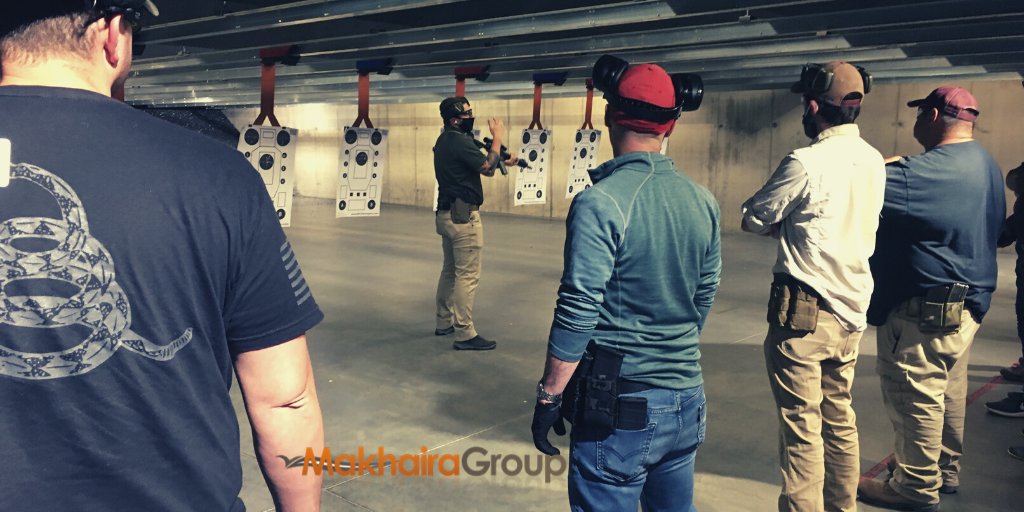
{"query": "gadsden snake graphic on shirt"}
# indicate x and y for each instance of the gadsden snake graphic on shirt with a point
(79, 260)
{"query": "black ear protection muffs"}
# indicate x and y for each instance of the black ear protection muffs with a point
(817, 80)
(689, 91)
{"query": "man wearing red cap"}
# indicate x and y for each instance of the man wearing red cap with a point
(137, 281)
(935, 271)
(642, 265)
(822, 204)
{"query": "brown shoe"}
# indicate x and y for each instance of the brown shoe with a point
(881, 495)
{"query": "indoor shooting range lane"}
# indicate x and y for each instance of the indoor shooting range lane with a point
(385, 380)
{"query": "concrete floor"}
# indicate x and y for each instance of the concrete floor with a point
(385, 380)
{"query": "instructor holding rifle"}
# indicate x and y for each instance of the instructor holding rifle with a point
(458, 164)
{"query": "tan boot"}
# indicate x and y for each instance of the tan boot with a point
(881, 495)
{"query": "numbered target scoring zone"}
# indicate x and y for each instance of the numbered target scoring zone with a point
(364, 153)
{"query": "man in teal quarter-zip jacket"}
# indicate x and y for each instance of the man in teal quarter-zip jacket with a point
(642, 266)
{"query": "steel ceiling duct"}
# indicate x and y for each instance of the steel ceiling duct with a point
(911, 40)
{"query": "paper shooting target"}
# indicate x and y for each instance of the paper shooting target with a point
(584, 158)
(364, 155)
(271, 151)
(532, 184)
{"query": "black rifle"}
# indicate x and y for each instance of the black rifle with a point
(502, 156)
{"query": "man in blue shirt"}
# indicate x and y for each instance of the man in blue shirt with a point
(935, 271)
(642, 267)
(136, 280)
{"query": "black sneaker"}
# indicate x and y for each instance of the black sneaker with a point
(444, 332)
(476, 343)
(1012, 406)
(1016, 452)
(1015, 372)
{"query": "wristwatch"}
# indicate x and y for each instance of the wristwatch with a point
(545, 396)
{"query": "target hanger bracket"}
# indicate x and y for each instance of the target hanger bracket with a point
(269, 59)
(588, 124)
(539, 79)
(480, 73)
(364, 68)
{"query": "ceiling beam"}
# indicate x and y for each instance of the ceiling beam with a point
(418, 50)
(771, 73)
(280, 16)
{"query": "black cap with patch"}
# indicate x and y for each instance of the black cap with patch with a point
(453, 107)
(24, 12)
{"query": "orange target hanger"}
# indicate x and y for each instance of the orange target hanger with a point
(269, 58)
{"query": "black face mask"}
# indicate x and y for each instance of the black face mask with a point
(466, 125)
(810, 128)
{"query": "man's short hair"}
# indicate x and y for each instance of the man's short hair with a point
(836, 115)
(60, 36)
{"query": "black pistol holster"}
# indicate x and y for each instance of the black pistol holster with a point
(941, 308)
(460, 211)
(793, 304)
(592, 397)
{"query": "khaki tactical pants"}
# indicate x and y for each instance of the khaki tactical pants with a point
(924, 385)
(460, 273)
(819, 453)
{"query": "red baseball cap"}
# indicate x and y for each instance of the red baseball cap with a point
(648, 83)
(952, 101)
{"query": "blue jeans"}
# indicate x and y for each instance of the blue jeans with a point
(1019, 303)
(653, 466)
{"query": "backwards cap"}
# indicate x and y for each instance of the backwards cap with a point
(648, 83)
(453, 107)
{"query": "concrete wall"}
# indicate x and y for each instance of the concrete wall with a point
(731, 145)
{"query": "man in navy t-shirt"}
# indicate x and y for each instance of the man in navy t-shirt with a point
(139, 265)
(935, 271)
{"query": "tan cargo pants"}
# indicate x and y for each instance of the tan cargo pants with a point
(924, 385)
(462, 245)
(819, 453)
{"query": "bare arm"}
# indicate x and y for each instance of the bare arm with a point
(557, 374)
(280, 398)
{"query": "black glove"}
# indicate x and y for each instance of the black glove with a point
(546, 416)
